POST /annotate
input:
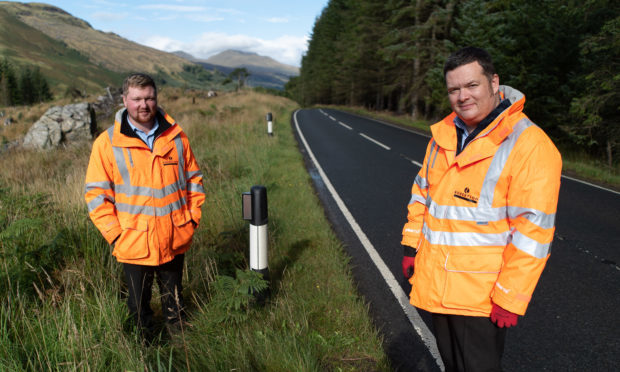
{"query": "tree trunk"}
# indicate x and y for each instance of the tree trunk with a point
(610, 159)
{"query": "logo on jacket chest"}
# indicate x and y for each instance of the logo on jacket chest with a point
(465, 195)
(169, 160)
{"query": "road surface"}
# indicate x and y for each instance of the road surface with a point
(363, 171)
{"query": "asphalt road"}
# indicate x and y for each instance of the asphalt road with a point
(366, 168)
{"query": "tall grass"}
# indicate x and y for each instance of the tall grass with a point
(62, 304)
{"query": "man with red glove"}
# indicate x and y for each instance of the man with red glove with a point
(481, 216)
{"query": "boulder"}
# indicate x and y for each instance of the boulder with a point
(64, 125)
(108, 103)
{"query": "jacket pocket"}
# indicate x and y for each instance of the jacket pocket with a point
(470, 279)
(182, 229)
(133, 242)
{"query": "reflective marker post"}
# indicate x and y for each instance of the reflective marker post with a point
(255, 211)
(269, 124)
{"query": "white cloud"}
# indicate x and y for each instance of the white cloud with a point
(174, 8)
(277, 20)
(106, 3)
(203, 18)
(284, 49)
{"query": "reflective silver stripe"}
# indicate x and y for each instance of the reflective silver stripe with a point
(99, 200)
(121, 165)
(417, 198)
(498, 163)
(105, 185)
(485, 212)
(129, 157)
(193, 174)
(466, 239)
(540, 219)
(147, 191)
(421, 182)
(195, 187)
(129, 190)
(430, 155)
(150, 210)
(435, 158)
(179, 144)
(530, 246)
(449, 212)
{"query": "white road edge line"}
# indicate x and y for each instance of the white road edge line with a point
(344, 125)
(590, 184)
(412, 314)
(375, 141)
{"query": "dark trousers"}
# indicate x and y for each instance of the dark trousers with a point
(468, 343)
(139, 280)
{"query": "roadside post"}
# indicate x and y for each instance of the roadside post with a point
(269, 124)
(254, 205)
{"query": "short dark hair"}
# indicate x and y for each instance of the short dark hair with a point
(138, 80)
(468, 55)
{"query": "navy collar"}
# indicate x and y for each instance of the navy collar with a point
(503, 105)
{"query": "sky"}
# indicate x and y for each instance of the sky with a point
(279, 29)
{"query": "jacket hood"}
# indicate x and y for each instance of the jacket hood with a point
(516, 98)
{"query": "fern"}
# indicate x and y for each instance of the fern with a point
(232, 297)
(25, 227)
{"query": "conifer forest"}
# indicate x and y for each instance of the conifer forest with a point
(388, 56)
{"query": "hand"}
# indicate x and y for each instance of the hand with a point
(408, 261)
(503, 318)
(408, 266)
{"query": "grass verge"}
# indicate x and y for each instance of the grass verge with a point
(62, 294)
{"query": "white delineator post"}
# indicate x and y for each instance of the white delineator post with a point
(269, 124)
(255, 211)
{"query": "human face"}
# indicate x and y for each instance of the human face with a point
(471, 94)
(141, 104)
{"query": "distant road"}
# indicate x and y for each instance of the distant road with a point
(363, 171)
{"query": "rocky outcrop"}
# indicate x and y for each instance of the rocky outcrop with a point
(107, 104)
(64, 125)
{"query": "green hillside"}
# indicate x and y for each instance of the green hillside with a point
(64, 67)
(71, 54)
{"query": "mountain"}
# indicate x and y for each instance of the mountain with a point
(264, 71)
(71, 53)
(235, 58)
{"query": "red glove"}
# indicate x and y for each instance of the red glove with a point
(408, 266)
(408, 261)
(503, 318)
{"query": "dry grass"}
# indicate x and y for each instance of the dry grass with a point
(314, 322)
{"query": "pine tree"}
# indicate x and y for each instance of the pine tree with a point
(9, 90)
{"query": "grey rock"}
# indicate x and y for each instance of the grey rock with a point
(64, 125)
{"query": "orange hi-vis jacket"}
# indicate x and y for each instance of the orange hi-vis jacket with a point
(144, 201)
(482, 222)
